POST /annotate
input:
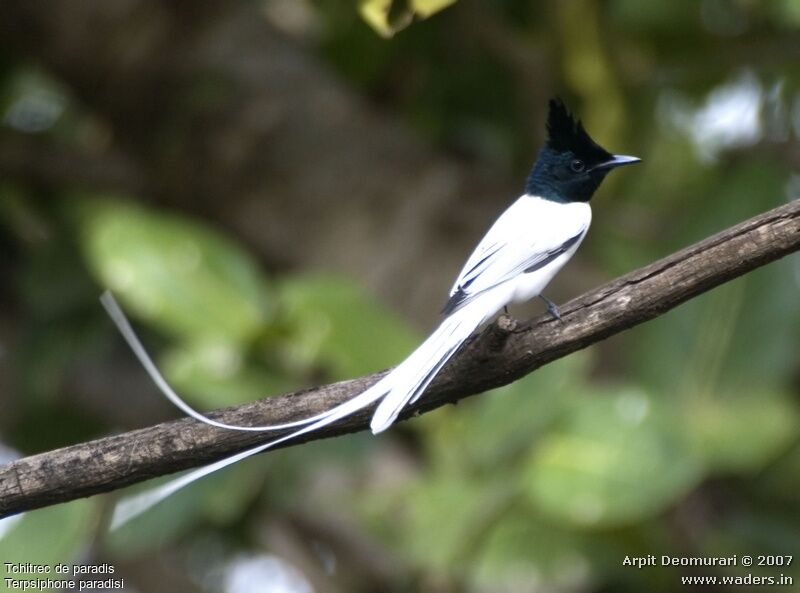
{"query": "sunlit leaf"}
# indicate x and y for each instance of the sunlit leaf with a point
(178, 274)
(388, 17)
(616, 460)
(214, 374)
(426, 8)
(340, 326)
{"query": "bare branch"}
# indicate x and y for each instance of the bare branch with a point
(502, 353)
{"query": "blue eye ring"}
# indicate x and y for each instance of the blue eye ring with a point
(577, 166)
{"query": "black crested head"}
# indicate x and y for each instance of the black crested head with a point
(565, 133)
(571, 165)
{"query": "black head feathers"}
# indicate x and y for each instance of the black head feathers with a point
(571, 165)
(565, 133)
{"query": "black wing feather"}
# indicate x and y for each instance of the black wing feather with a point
(553, 254)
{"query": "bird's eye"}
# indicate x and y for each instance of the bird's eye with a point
(577, 165)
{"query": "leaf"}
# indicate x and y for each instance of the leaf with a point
(447, 514)
(740, 433)
(177, 274)
(220, 498)
(50, 535)
(494, 428)
(426, 8)
(388, 17)
(521, 548)
(337, 325)
(616, 460)
(214, 374)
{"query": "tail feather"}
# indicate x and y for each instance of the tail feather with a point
(404, 384)
(410, 379)
(131, 507)
(121, 321)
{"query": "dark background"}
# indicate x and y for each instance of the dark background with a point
(281, 197)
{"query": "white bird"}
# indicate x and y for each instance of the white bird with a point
(516, 259)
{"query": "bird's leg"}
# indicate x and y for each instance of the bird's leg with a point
(505, 309)
(551, 308)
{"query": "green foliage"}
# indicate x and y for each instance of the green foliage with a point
(336, 324)
(179, 275)
(679, 437)
(50, 535)
(741, 433)
(206, 291)
(522, 412)
(446, 517)
(216, 374)
(218, 500)
(522, 549)
(616, 460)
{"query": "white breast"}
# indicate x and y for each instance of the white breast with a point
(556, 223)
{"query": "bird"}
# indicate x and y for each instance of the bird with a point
(515, 260)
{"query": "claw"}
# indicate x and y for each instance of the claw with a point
(552, 308)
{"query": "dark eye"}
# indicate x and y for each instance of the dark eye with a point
(577, 165)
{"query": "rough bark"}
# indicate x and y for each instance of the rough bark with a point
(502, 353)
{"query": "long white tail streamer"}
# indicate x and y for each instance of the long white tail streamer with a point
(137, 504)
(121, 321)
(413, 375)
(404, 384)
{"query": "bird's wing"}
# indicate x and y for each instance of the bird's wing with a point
(528, 236)
(494, 239)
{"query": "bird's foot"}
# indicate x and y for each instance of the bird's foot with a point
(552, 308)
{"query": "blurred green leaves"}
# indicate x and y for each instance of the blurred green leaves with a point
(741, 433)
(220, 499)
(50, 535)
(447, 518)
(616, 459)
(175, 273)
(521, 548)
(217, 374)
(336, 324)
(238, 335)
(529, 480)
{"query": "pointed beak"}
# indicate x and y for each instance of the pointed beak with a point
(618, 160)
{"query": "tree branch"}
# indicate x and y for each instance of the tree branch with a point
(502, 353)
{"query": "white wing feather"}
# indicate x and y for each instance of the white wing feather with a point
(528, 233)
